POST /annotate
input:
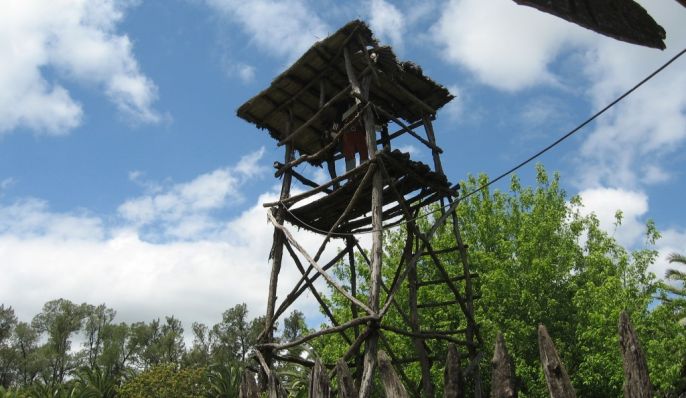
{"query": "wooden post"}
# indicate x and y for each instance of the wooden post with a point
(277, 250)
(555, 372)
(453, 379)
(503, 378)
(389, 379)
(385, 138)
(636, 379)
(350, 243)
(427, 384)
(248, 388)
(319, 381)
(346, 385)
(376, 210)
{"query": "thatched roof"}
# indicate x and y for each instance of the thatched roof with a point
(298, 90)
(623, 20)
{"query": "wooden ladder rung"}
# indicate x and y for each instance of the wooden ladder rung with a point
(439, 281)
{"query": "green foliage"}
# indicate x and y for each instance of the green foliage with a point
(166, 380)
(224, 380)
(95, 383)
(539, 260)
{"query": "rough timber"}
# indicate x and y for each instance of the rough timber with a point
(297, 110)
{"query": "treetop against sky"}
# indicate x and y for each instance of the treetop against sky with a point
(126, 178)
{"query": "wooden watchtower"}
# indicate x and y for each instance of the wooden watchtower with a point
(347, 82)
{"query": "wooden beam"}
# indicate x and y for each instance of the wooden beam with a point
(324, 150)
(314, 117)
(413, 97)
(315, 79)
(422, 335)
(309, 259)
(441, 281)
(348, 208)
(318, 333)
(314, 292)
(298, 289)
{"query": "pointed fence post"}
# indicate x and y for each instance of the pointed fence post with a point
(248, 387)
(503, 380)
(636, 379)
(555, 372)
(346, 384)
(389, 379)
(319, 381)
(453, 378)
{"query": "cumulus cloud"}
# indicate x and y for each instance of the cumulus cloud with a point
(628, 145)
(142, 280)
(77, 41)
(184, 210)
(85, 257)
(283, 28)
(504, 45)
(605, 202)
(673, 241)
(387, 22)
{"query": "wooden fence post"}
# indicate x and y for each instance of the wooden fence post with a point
(452, 376)
(346, 384)
(503, 378)
(248, 387)
(555, 372)
(319, 381)
(636, 379)
(390, 380)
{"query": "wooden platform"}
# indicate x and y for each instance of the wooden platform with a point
(413, 180)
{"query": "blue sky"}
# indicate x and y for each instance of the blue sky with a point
(126, 178)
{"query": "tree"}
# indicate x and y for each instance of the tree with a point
(294, 326)
(59, 320)
(234, 335)
(166, 380)
(678, 289)
(8, 356)
(540, 259)
(26, 345)
(97, 319)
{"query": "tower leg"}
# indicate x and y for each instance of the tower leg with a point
(276, 255)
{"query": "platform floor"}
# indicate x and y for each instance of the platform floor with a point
(415, 181)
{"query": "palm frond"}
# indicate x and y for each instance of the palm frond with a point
(675, 275)
(677, 258)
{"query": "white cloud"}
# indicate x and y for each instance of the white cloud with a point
(672, 241)
(504, 45)
(629, 143)
(284, 28)
(29, 218)
(96, 258)
(183, 210)
(77, 40)
(5, 184)
(244, 72)
(605, 202)
(194, 281)
(387, 22)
